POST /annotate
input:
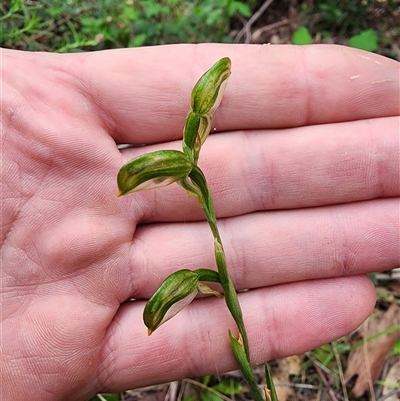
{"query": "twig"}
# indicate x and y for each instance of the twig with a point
(389, 395)
(210, 389)
(340, 368)
(172, 391)
(251, 21)
(324, 380)
(259, 31)
(368, 365)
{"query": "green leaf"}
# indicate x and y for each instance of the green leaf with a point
(396, 348)
(131, 14)
(239, 7)
(244, 364)
(301, 36)
(271, 391)
(195, 133)
(138, 40)
(196, 186)
(16, 5)
(228, 387)
(367, 40)
(209, 396)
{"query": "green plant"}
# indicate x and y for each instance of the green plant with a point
(161, 168)
(215, 392)
(74, 25)
(366, 40)
(336, 17)
(301, 36)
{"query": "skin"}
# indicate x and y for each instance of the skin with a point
(304, 170)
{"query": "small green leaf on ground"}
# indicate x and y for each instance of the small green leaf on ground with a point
(228, 387)
(396, 348)
(301, 36)
(366, 40)
(208, 396)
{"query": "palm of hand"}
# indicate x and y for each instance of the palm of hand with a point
(67, 237)
(74, 251)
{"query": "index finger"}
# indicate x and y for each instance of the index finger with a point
(144, 92)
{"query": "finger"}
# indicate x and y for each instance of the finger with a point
(265, 249)
(144, 93)
(281, 321)
(301, 167)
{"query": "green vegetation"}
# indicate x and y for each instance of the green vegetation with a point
(336, 17)
(72, 25)
(367, 24)
(215, 392)
(366, 40)
(301, 36)
(86, 25)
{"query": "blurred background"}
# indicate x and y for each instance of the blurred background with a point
(363, 366)
(71, 25)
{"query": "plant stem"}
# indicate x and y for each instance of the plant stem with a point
(206, 202)
(231, 298)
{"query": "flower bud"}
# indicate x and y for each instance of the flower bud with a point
(177, 291)
(152, 170)
(209, 90)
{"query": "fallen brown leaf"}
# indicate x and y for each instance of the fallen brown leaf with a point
(367, 361)
(286, 367)
(392, 379)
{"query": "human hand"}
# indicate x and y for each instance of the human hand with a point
(304, 169)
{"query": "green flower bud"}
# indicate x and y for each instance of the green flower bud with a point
(152, 170)
(177, 291)
(209, 90)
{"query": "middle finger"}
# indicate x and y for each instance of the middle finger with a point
(284, 169)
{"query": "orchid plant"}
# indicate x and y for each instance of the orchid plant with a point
(163, 167)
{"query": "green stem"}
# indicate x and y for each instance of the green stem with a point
(231, 298)
(199, 188)
(202, 193)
